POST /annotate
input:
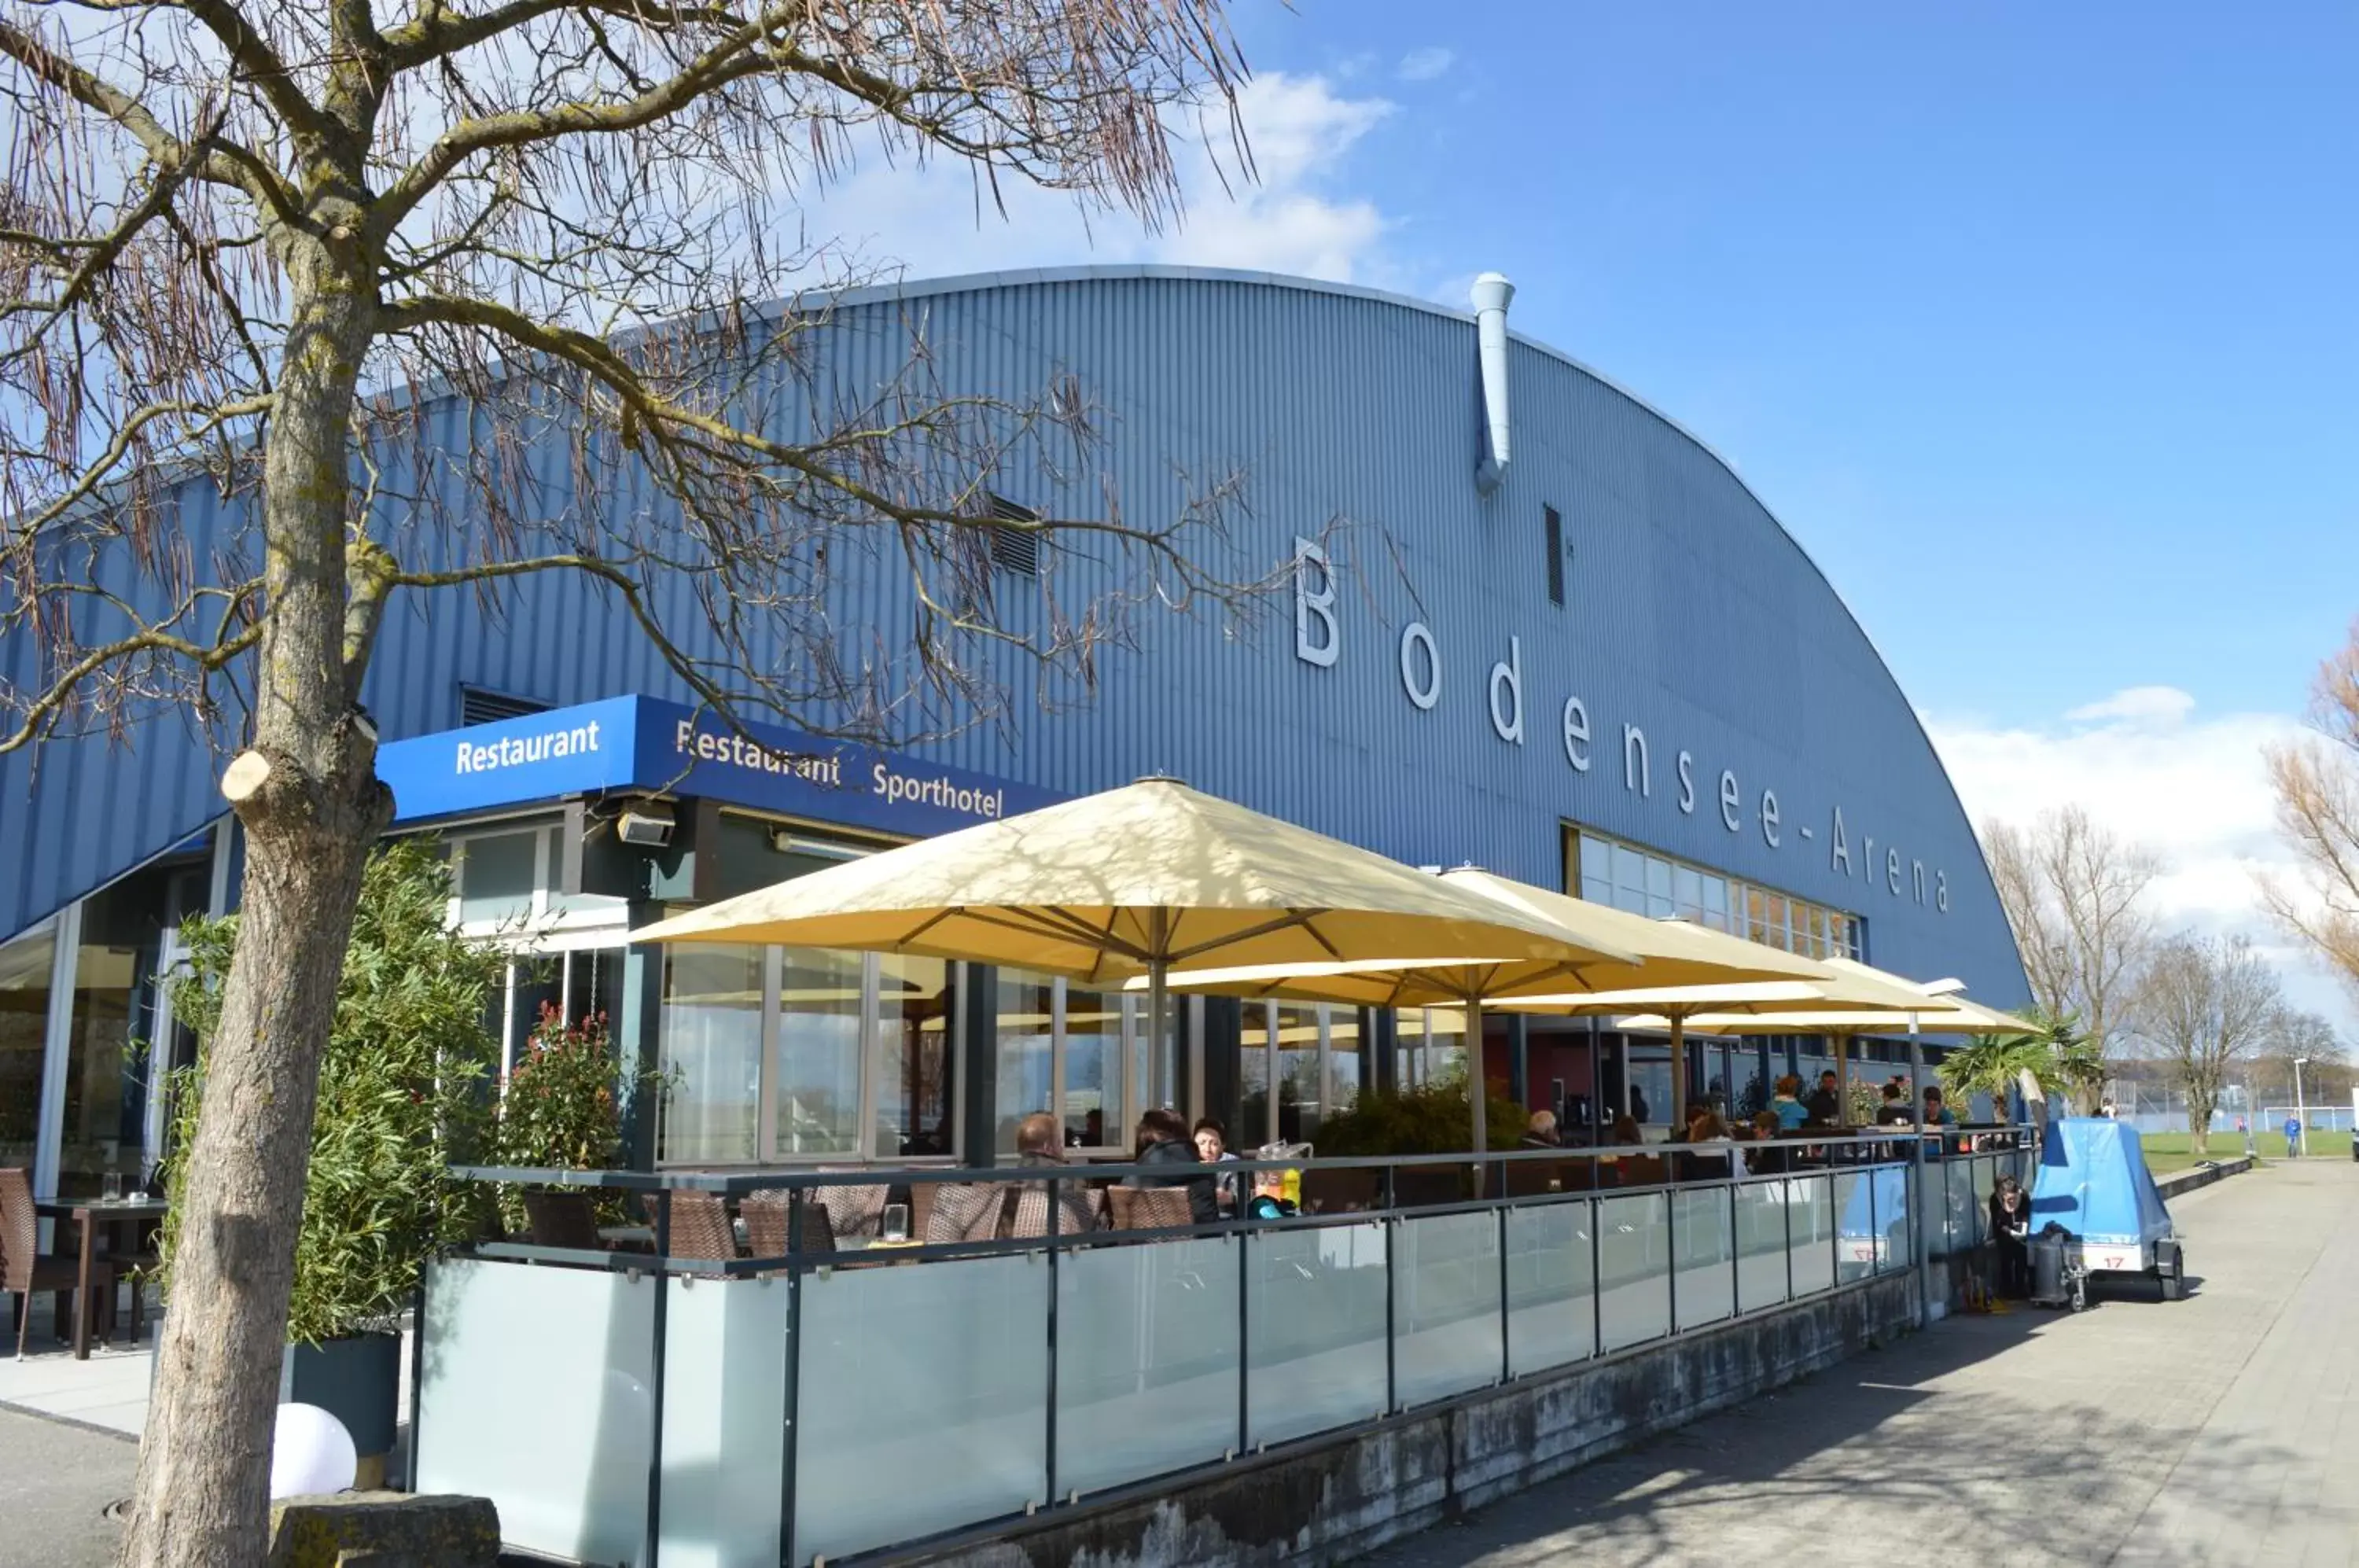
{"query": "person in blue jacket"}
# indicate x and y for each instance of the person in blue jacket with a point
(2293, 1138)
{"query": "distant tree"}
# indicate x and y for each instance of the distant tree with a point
(2316, 780)
(2205, 1006)
(2306, 1037)
(2077, 894)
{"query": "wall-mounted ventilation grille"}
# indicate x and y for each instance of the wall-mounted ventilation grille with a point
(1555, 530)
(1015, 550)
(477, 706)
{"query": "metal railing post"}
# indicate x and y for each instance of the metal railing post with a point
(1735, 1251)
(659, 1317)
(1244, 1331)
(1671, 1247)
(1385, 1223)
(1056, 1217)
(790, 1416)
(417, 1368)
(1596, 1268)
(1506, 1354)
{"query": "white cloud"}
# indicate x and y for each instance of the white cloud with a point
(1425, 64)
(2148, 764)
(1289, 216)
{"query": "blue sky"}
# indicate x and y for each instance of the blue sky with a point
(2035, 324)
(2045, 308)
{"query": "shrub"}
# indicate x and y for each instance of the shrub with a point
(404, 1090)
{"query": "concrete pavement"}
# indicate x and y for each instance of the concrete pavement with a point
(2218, 1430)
(56, 1480)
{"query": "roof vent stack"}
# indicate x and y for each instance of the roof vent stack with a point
(1492, 294)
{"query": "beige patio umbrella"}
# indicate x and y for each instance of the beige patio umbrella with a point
(1668, 952)
(1141, 881)
(1934, 1009)
(1842, 985)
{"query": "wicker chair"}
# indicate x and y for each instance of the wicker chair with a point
(22, 1269)
(963, 1211)
(853, 1211)
(1149, 1208)
(767, 1216)
(701, 1230)
(1031, 1219)
(561, 1219)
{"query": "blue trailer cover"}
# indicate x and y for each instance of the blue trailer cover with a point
(2093, 1181)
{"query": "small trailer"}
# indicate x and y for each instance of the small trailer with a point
(2095, 1203)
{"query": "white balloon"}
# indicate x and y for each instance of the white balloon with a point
(310, 1454)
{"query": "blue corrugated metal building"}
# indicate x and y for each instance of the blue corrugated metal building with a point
(1605, 668)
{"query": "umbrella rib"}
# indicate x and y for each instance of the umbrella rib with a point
(1025, 923)
(1063, 921)
(1291, 918)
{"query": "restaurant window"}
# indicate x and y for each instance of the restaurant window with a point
(818, 1061)
(1300, 1102)
(711, 1044)
(1342, 1060)
(917, 1061)
(1095, 1111)
(27, 966)
(1027, 1031)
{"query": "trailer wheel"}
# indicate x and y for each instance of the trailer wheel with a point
(2174, 1287)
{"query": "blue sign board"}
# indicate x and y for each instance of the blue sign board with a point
(640, 743)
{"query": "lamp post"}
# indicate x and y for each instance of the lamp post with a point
(2301, 1112)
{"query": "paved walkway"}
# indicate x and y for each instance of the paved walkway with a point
(2217, 1429)
(56, 1483)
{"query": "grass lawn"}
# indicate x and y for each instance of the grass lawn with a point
(2169, 1152)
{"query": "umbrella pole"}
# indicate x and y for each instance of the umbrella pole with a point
(1677, 1113)
(1843, 1078)
(1159, 1037)
(1478, 1086)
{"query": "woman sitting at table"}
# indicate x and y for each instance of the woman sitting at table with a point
(1213, 1149)
(1766, 1156)
(1713, 1157)
(1164, 1139)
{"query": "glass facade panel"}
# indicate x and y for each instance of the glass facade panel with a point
(1254, 1127)
(818, 1054)
(711, 1055)
(26, 966)
(1300, 1102)
(1025, 1032)
(1629, 876)
(1094, 1068)
(1658, 888)
(916, 1100)
(1686, 892)
(119, 1009)
(1343, 1064)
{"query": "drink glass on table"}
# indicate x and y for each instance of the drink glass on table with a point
(110, 1187)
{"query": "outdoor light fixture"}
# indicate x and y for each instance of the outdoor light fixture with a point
(647, 824)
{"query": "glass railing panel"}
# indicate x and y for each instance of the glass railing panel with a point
(1634, 1270)
(1551, 1294)
(924, 1400)
(535, 1392)
(1148, 1343)
(1314, 1329)
(1705, 1243)
(1446, 1310)
(1760, 1245)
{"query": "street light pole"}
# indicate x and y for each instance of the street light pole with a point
(2300, 1111)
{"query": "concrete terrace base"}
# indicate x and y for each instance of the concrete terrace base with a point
(1327, 1501)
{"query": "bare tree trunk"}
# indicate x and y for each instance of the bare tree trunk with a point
(307, 795)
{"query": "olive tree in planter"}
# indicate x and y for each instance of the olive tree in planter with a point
(405, 1088)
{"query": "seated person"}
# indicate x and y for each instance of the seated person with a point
(1825, 1104)
(1893, 1112)
(1768, 1157)
(1163, 1140)
(1540, 1132)
(1788, 1103)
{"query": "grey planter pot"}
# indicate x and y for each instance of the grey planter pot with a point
(357, 1380)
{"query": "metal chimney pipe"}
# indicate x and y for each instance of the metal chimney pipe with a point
(1492, 294)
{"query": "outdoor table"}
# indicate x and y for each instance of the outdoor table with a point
(87, 1215)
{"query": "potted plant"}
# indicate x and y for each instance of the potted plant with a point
(565, 1105)
(404, 1089)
